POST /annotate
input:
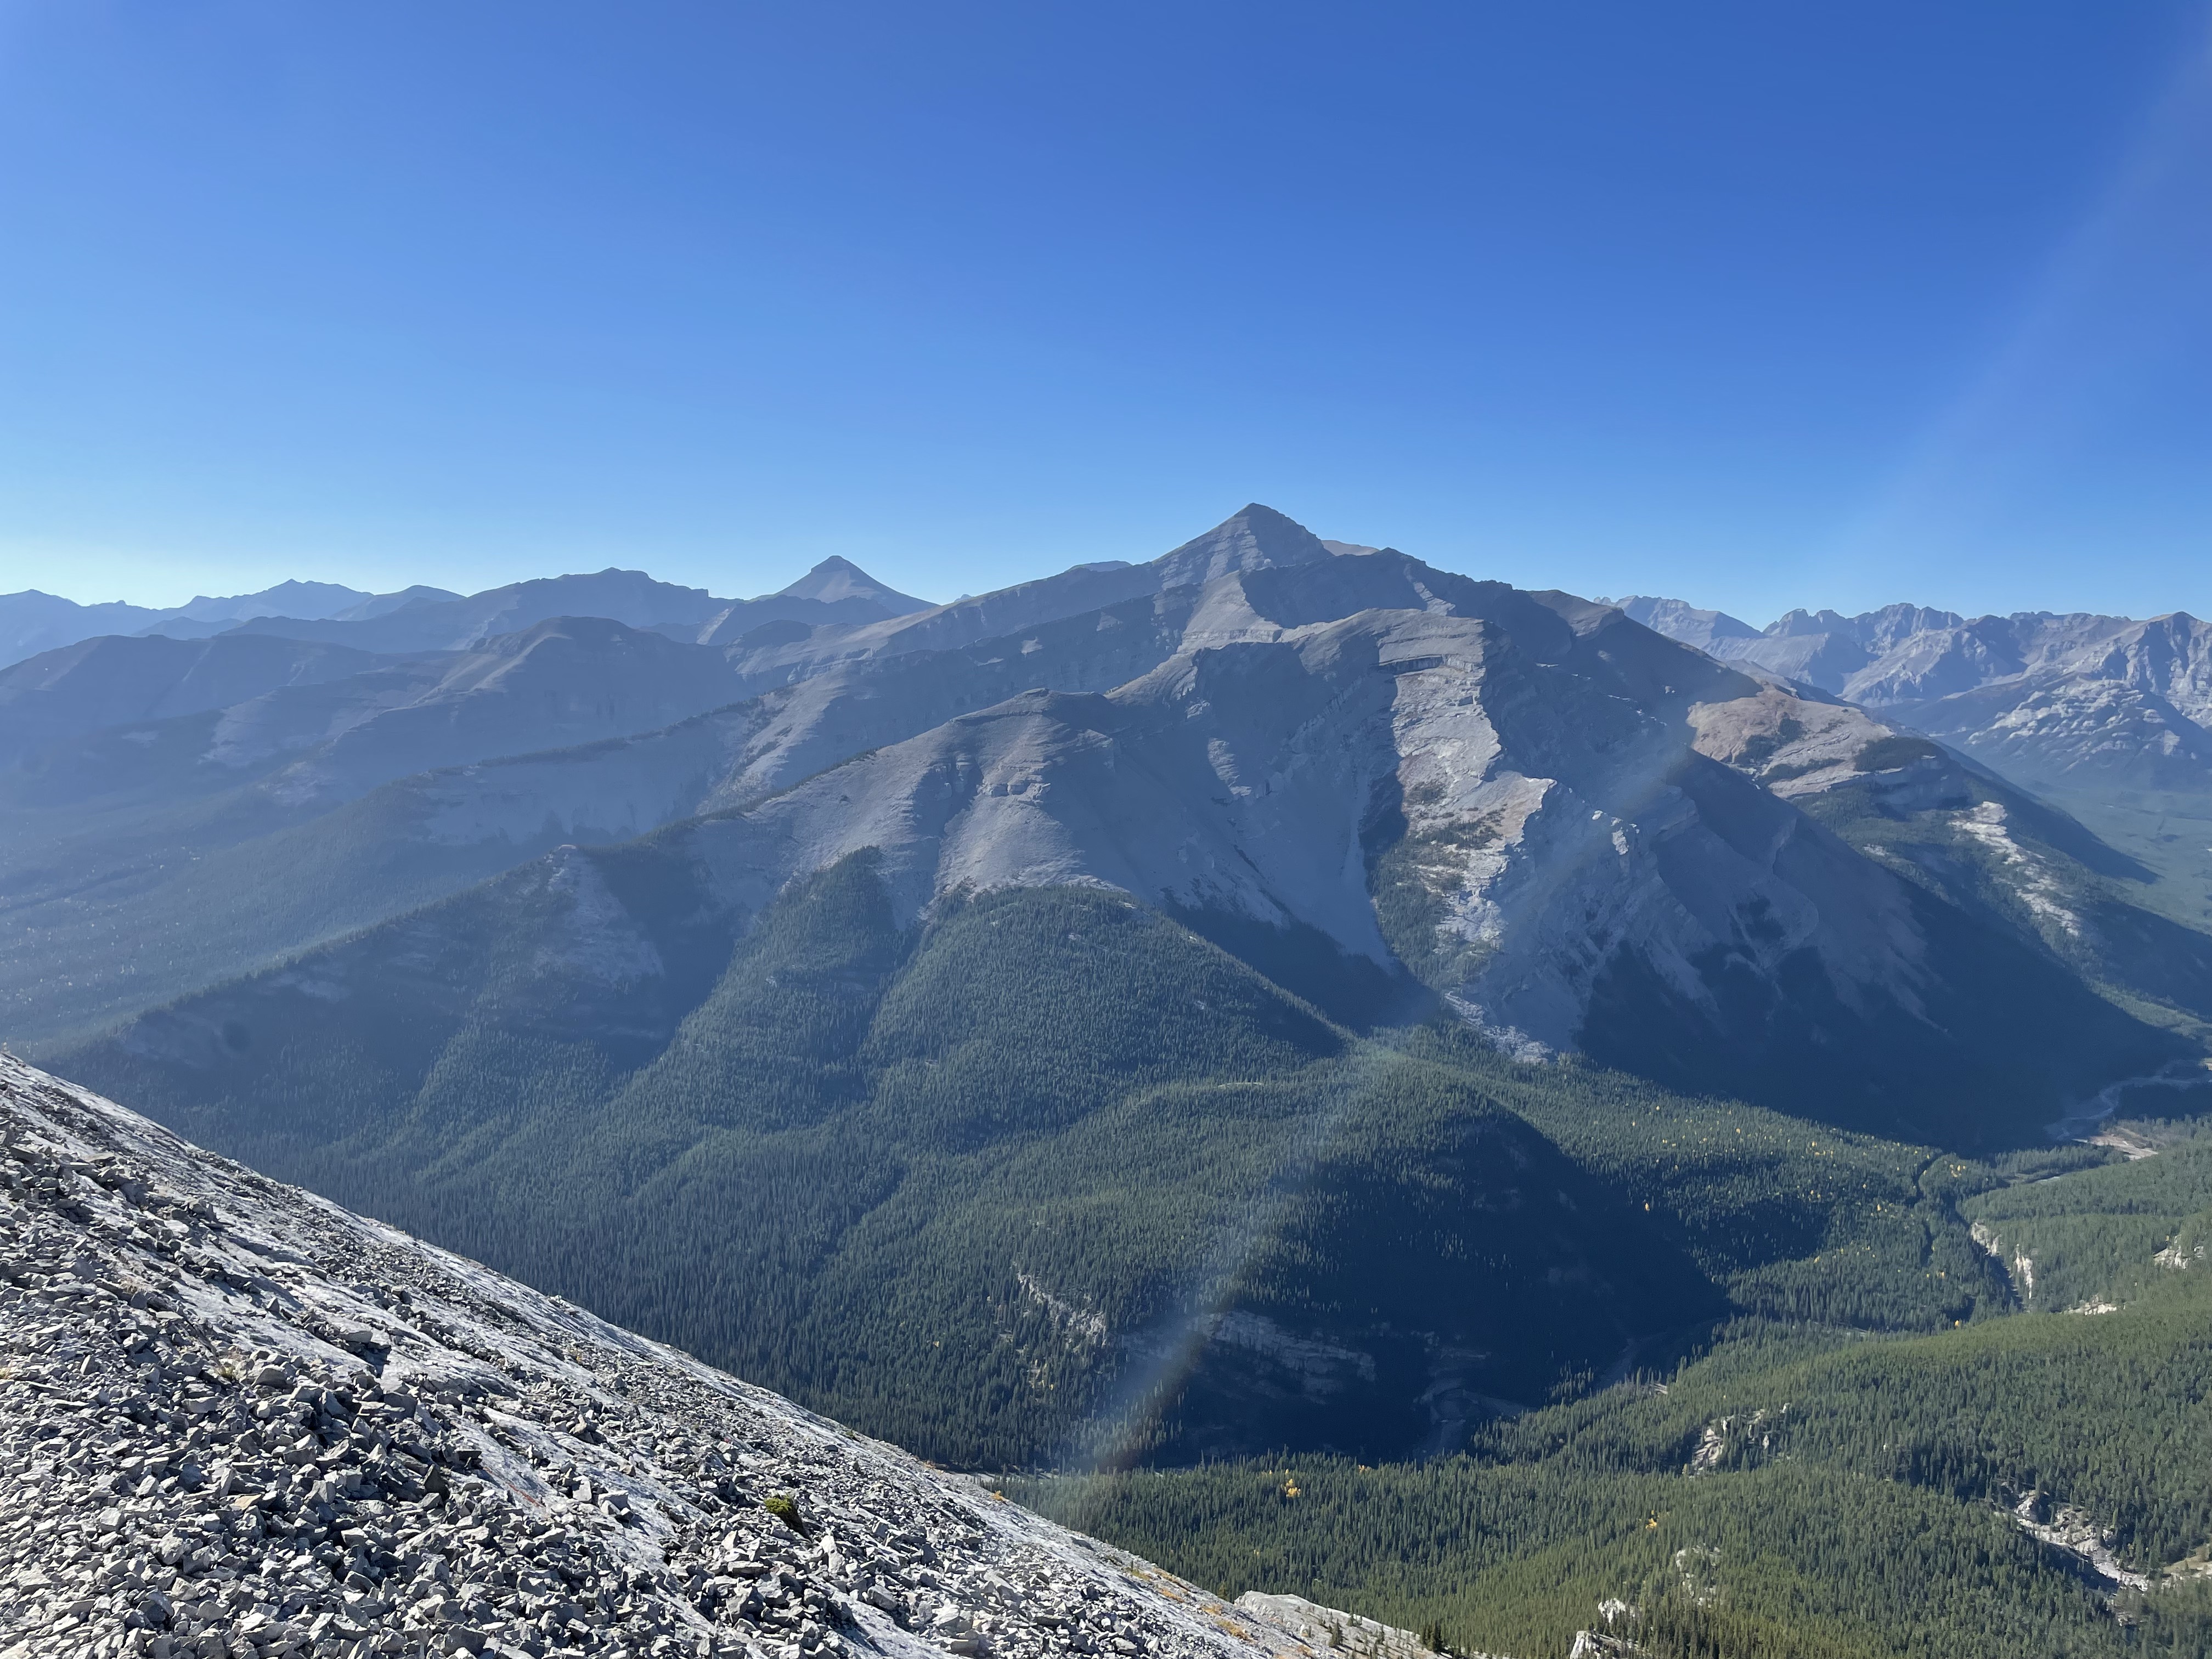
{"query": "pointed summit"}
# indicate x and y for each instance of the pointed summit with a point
(1257, 538)
(835, 590)
(835, 580)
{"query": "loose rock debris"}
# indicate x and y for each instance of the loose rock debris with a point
(237, 1420)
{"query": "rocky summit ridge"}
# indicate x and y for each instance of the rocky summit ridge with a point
(2048, 699)
(241, 1421)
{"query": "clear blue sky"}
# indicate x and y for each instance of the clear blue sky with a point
(1760, 305)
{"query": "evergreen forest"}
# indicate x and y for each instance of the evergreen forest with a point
(1379, 1317)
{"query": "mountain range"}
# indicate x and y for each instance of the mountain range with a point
(2022, 673)
(423, 618)
(1275, 998)
(1525, 804)
(1296, 800)
(32, 622)
(2107, 716)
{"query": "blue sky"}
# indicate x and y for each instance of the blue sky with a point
(1762, 306)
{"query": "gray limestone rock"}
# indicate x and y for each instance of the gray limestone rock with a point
(236, 1420)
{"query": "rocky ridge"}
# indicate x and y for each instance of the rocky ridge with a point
(242, 1421)
(1331, 1627)
(2052, 772)
(2045, 699)
(32, 622)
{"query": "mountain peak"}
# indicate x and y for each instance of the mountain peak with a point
(836, 578)
(1678, 620)
(313, 601)
(383, 605)
(1257, 538)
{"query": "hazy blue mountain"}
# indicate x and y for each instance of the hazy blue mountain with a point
(1686, 622)
(1581, 788)
(2059, 698)
(1500, 795)
(2091, 701)
(1257, 538)
(114, 681)
(169, 825)
(1822, 648)
(377, 605)
(32, 622)
(333, 734)
(630, 597)
(287, 598)
(836, 590)
(245, 799)
(137, 860)
(188, 627)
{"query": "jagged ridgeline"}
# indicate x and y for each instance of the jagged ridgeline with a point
(1051, 1175)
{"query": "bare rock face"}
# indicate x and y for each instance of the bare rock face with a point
(242, 1421)
(2047, 700)
(1331, 1627)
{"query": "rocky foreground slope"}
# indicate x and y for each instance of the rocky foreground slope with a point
(239, 1420)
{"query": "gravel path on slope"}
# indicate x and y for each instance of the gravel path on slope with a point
(235, 1420)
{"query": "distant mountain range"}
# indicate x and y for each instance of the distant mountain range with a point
(32, 622)
(2108, 716)
(150, 779)
(2066, 698)
(432, 619)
